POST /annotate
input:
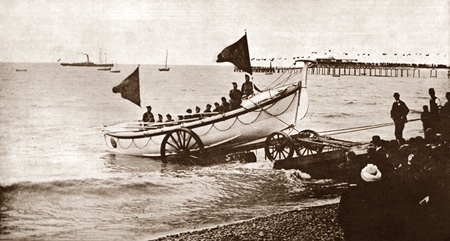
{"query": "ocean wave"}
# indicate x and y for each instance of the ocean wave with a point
(334, 115)
(350, 103)
(84, 187)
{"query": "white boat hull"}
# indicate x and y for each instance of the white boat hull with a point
(261, 115)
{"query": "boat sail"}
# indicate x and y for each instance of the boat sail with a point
(276, 108)
(115, 70)
(104, 68)
(165, 65)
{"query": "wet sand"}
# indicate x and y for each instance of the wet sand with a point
(314, 223)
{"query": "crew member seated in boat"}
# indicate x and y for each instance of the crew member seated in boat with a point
(235, 97)
(217, 108)
(197, 112)
(160, 118)
(225, 105)
(189, 114)
(169, 118)
(208, 109)
(248, 86)
(148, 116)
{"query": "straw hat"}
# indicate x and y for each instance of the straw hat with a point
(370, 173)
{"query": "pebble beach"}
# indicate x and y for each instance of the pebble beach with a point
(314, 223)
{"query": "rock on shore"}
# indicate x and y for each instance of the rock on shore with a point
(314, 223)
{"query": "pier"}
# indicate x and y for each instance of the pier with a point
(339, 67)
(350, 67)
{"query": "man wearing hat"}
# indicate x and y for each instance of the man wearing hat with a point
(148, 116)
(248, 86)
(169, 118)
(235, 97)
(160, 118)
(399, 112)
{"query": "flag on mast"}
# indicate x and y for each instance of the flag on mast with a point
(237, 54)
(129, 88)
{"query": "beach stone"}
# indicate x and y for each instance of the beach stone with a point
(314, 223)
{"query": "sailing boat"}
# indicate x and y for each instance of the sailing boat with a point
(165, 66)
(115, 70)
(104, 68)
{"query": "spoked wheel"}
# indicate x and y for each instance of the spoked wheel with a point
(182, 145)
(279, 146)
(306, 148)
(308, 134)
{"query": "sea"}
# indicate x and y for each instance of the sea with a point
(58, 180)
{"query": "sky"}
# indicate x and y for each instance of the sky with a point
(195, 31)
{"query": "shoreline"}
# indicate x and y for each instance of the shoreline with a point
(312, 223)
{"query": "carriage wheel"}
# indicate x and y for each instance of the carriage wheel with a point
(279, 146)
(182, 145)
(308, 134)
(304, 148)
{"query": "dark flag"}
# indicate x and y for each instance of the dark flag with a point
(237, 54)
(129, 88)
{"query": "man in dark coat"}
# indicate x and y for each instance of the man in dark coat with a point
(148, 116)
(248, 86)
(235, 97)
(435, 105)
(225, 104)
(399, 112)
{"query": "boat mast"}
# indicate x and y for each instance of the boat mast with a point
(167, 52)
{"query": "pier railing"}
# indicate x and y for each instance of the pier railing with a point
(362, 69)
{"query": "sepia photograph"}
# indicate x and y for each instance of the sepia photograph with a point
(223, 120)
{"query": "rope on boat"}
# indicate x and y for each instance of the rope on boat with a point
(359, 128)
(277, 83)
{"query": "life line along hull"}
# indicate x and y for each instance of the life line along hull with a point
(260, 115)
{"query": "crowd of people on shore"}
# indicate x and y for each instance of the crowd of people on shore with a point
(236, 96)
(400, 190)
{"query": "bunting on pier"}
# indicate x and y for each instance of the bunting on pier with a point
(129, 88)
(237, 54)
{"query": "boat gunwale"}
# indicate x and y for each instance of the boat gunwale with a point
(213, 119)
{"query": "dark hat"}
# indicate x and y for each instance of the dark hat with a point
(159, 115)
(396, 94)
(168, 115)
(149, 106)
(233, 83)
(375, 139)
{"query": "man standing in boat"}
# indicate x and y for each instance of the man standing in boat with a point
(235, 97)
(399, 112)
(248, 86)
(148, 116)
